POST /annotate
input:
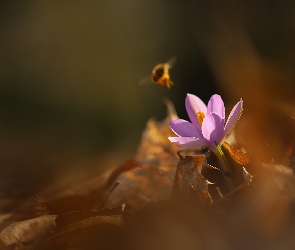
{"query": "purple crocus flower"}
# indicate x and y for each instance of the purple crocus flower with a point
(207, 125)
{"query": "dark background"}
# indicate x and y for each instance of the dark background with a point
(70, 98)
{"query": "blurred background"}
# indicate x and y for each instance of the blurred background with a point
(70, 98)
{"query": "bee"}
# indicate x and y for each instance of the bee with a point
(160, 73)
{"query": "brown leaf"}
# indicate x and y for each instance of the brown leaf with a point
(188, 177)
(98, 232)
(95, 228)
(149, 175)
(64, 220)
(238, 156)
(28, 232)
(17, 204)
(2, 246)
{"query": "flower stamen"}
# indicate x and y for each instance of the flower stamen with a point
(200, 116)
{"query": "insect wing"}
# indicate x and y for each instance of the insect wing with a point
(171, 62)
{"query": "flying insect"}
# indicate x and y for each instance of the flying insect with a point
(160, 73)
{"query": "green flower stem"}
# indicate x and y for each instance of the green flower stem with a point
(228, 167)
(225, 167)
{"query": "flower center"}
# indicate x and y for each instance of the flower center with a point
(200, 116)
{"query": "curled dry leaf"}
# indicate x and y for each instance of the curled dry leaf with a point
(149, 175)
(2, 246)
(17, 204)
(238, 156)
(95, 228)
(64, 220)
(28, 232)
(188, 177)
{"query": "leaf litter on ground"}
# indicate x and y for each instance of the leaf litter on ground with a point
(159, 199)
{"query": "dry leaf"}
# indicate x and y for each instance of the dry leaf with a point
(28, 232)
(2, 246)
(94, 228)
(149, 175)
(188, 177)
(63, 220)
(238, 156)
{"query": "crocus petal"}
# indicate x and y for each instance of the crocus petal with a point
(184, 128)
(233, 117)
(189, 141)
(219, 128)
(216, 105)
(209, 128)
(194, 105)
